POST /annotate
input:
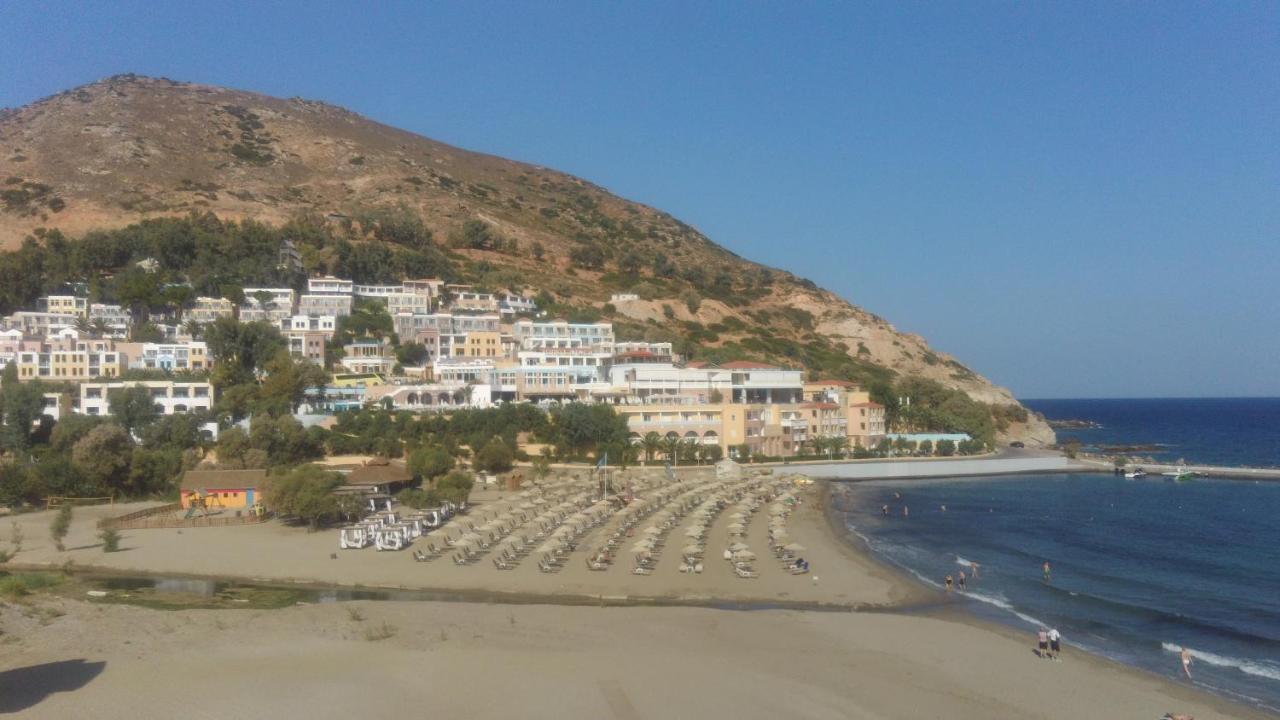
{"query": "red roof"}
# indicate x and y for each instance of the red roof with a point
(746, 365)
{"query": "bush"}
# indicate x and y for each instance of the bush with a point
(430, 463)
(495, 456)
(60, 526)
(110, 540)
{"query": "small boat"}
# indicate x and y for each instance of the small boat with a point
(1137, 473)
(1180, 474)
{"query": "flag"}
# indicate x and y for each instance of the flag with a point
(604, 460)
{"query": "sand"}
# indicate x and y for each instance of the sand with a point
(910, 658)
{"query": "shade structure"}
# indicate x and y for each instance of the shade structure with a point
(794, 547)
(738, 546)
(744, 555)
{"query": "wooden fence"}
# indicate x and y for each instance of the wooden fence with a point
(165, 516)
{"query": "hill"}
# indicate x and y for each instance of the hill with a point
(131, 149)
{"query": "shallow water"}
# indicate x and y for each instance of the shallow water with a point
(1138, 568)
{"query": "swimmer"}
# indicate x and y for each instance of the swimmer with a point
(1186, 662)
(944, 508)
(884, 510)
(905, 511)
(960, 581)
(973, 568)
(1048, 576)
(948, 583)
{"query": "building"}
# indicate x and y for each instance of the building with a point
(308, 345)
(115, 317)
(479, 344)
(367, 357)
(171, 397)
(325, 324)
(865, 419)
(378, 477)
(230, 489)
(465, 297)
(623, 297)
(535, 335)
(737, 382)
(171, 357)
(318, 305)
(405, 302)
(429, 396)
(68, 365)
(63, 305)
(208, 309)
(289, 259)
(329, 285)
(39, 324)
(267, 304)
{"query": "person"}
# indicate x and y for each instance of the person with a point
(1054, 643)
(905, 511)
(960, 581)
(973, 569)
(1043, 639)
(1048, 576)
(1186, 662)
(944, 508)
(948, 583)
(884, 510)
(897, 496)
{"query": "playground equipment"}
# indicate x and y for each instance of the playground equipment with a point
(201, 503)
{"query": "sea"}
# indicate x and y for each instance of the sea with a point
(1139, 569)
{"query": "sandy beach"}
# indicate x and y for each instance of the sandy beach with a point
(906, 655)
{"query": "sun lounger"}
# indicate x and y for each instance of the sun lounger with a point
(746, 573)
(642, 571)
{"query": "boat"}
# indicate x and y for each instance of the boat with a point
(1137, 473)
(1180, 474)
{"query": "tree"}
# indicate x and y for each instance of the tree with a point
(430, 462)
(588, 257)
(241, 350)
(286, 383)
(715, 397)
(946, 448)
(103, 457)
(495, 456)
(538, 251)
(580, 428)
(306, 492)
(630, 262)
(542, 464)
(60, 526)
(412, 354)
(456, 486)
(284, 440)
(652, 444)
(21, 405)
(110, 538)
(671, 446)
(133, 407)
(925, 447)
(712, 453)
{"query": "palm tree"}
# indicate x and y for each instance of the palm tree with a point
(193, 328)
(83, 325)
(99, 327)
(652, 443)
(671, 446)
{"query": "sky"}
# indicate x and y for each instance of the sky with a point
(1075, 199)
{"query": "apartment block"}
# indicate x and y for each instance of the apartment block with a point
(170, 397)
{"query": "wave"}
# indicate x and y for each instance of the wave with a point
(1003, 603)
(1259, 668)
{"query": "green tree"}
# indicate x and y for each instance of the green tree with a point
(580, 428)
(430, 462)
(495, 456)
(21, 405)
(241, 351)
(925, 447)
(132, 407)
(306, 493)
(60, 526)
(652, 445)
(456, 486)
(286, 382)
(103, 456)
(110, 538)
(946, 448)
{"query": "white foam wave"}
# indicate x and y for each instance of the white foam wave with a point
(1003, 603)
(1257, 668)
(963, 561)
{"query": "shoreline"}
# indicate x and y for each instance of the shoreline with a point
(957, 611)
(883, 607)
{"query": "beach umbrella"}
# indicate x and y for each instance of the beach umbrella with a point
(652, 530)
(691, 549)
(794, 547)
(737, 526)
(738, 546)
(744, 555)
(694, 532)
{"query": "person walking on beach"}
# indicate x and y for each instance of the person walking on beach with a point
(1186, 662)
(1048, 576)
(960, 581)
(948, 583)
(1055, 645)
(1042, 638)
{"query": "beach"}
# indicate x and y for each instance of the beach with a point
(883, 647)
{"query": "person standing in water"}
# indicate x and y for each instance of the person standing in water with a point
(1186, 662)
(973, 569)
(948, 583)
(960, 581)
(905, 511)
(1048, 576)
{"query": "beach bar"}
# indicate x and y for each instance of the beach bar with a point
(232, 489)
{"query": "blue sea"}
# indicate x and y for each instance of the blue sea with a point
(1140, 568)
(1212, 431)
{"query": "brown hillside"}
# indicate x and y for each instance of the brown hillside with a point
(127, 148)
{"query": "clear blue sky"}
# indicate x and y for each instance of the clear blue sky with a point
(1078, 200)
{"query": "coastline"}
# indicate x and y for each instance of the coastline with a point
(908, 653)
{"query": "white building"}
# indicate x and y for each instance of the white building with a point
(208, 309)
(322, 305)
(170, 397)
(329, 285)
(536, 335)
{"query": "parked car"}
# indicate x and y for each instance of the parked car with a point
(1017, 444)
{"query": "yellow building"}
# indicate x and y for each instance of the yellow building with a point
(481, 344)
(229, 489)
(68, 365)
